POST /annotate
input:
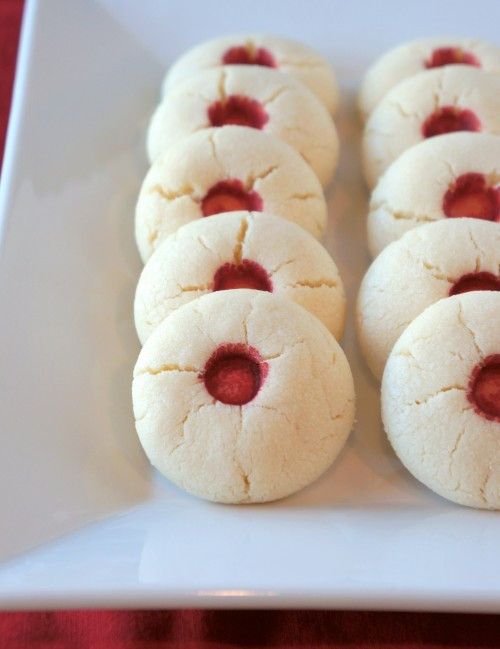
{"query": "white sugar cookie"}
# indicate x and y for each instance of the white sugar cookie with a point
(435, 102)
(427, 264)
(242, 396)
(446, 176)
(441, 398)
(425, 54)
(252, 96)
(300, 61)
(226, 169)
(239, 250)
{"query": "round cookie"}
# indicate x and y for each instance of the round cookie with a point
(226, 169)
(239, 250)
(435, 102)
(242, 397)
(447, 176)
(425, 54)
(441, 398)
(298, 60)
(252, 96)
(427, 264)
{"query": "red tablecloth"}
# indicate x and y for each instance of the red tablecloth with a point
(189, 629)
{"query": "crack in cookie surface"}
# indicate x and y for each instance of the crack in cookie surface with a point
(168, 367)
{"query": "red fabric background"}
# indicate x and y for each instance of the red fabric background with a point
(189, 629)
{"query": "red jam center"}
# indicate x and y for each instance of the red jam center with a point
(230, 196)
(476, 282)
(239, 110)
(484, 388)
(450, 56)
(247, 274)
(242, 55)
(234, 374)
(471, 196)
(449, 119)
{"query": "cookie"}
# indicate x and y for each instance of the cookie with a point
(242, 396)
(447, 176)
(226, 169)
(283, 54)
(425, 54)
(427, 264)
(239, 250)
(253, 96)
(435, 102)
(441, 398)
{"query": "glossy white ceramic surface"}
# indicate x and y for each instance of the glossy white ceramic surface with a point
(73, 481)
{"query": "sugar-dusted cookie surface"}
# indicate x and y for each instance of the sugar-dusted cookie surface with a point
(283, 54)
(425, 54)
(239, 250)
(441, 398)
(427, 264)
(447, 176)
(242, 396)
(226, 169)
(434, 102)
(253, 96)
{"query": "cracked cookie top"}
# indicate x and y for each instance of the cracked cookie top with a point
(253, 96)
(441, 398)
(425, 54)
(444, 177)
(239, 250)
(222, 170)
(296, 59)
(429, 263)
(434, 102)
(242, 396)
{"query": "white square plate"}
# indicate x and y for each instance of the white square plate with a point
(73, 480)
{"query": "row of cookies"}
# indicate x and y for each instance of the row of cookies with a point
(428, 308)
(241, 392)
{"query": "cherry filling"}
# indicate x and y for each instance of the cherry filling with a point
(476, 282)
(471, 196)
(247, 274)
(242, 55)
(234, 374)
(450, 56)
(230, 196)
(449, 119)
(484, 388)
(239, 110)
